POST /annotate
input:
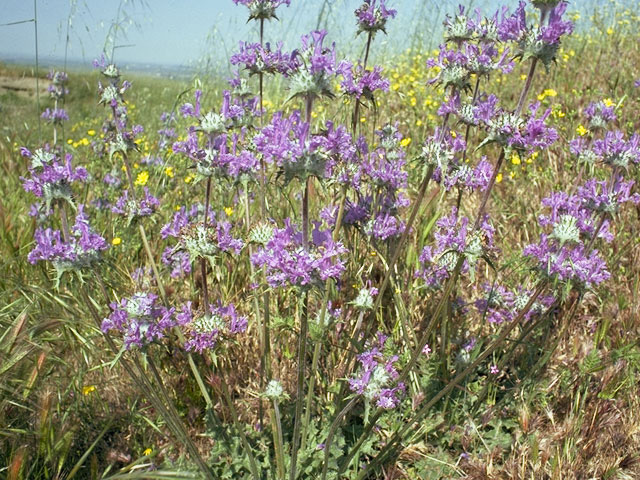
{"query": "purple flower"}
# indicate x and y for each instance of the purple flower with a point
(542, 42)
(57, 116)
(377, 377)
(50, 178)
(205, 329)
(567, 262)
(512, 27)
(135, 209)
(288, 262)
(358, 82)
(453, 241)
(465, 176)
(262, 9)
(599, 114)
(81, 250)
(372, 16)
(139, 319)
(615, 151)
(262, 59)
(58, 87)
(502, 305)
(524, 135)
(197, 240)
(313, 67)
(288, 142)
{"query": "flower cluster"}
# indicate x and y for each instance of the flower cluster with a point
(56, 116)
(377, 377)
(50, 179)
(58, 87)
(313, 67)
(81, 250)
(599, 114)
(613, 149)
(565, 255)
(134, 209)
(541, 42)
(195, 240)
(372, 16)
(502, 305)
(455, 240)
(378, 174)
(140, 319)
(262, 9)
(258, 59)
(204, 329)
(288, 142)
(358, 82)
(512, 132)
(287, 261)
(212, 145)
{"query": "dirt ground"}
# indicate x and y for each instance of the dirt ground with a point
(23, 86)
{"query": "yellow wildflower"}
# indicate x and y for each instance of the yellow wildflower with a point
(142, 178)
(228, 211)
(581, 130)
(147, 451)
(116, 241)
(87, 389)
(405, 142)
(499, 178)
(169, 172)
(608, 102)
(91, 132)
(515, 158)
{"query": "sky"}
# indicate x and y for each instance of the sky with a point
(188, 33)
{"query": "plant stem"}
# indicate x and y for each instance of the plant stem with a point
(405, 235)
(450, 386)
(203, 261)
(527, 86)
(332, 430)
(302, 347)
(193, 450)
(279, 441)
(496, 170)
(236, 422)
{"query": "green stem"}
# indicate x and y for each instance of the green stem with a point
(332, 431)
(278, 439)
(302, 347)
(193, 450)
(397, 436)
(236, 422)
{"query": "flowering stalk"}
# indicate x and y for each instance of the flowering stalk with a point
(203, 260)
(304, 321)
(397, 436)
(336, 230)
(167, 411)
(496, 170)
(278, 439)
